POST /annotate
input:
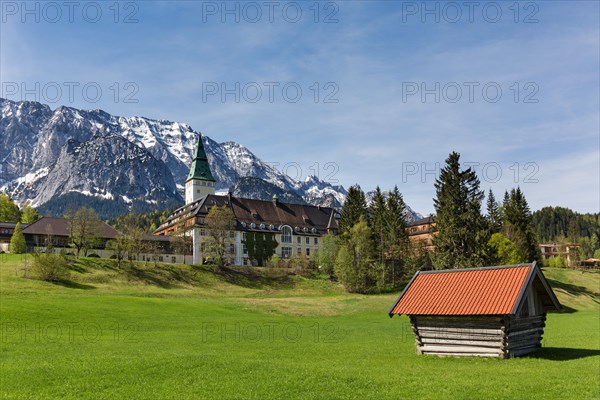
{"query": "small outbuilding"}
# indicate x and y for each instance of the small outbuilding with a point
(490, 311)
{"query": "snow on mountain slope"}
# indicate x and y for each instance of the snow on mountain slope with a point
(43, 153)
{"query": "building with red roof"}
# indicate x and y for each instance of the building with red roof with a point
(491, 311)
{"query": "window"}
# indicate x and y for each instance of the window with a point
(307, 240)
(307, 252)
(232, 248)
(299, 252)
(286, 235)
(173, 259)
(299, 240)
(245, 249)
(160, 258)
(244, 235)
(286, 252)
(245, 261)
(316, 241)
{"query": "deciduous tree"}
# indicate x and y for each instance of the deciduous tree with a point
(84, 229)
(219, 224)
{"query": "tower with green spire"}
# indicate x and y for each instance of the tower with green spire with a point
(200, 181)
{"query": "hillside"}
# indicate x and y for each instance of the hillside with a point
(175, 331)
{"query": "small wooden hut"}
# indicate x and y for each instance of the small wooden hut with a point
(490, 311)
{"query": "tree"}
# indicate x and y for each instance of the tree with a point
(84, 229)
(260, 246)
(355, 259)
(9, 211)
(494, 218)
(378, 223)
(219, 223)
(395, 239)
(119, 247)
(17, 241)
(518, 226)
(355, 206)
(504, 252)
(29, 214)
(462, 236)
(182, 242)
(328, 251)
(136, 243)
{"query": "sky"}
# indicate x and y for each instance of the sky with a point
(370, 92)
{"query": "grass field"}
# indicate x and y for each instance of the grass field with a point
(175, 332)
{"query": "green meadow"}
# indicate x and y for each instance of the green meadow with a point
(181, 332)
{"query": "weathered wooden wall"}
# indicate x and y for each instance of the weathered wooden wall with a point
(485, 336)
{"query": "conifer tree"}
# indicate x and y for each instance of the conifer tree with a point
(395, 238)
(461, 240)
(494, 219)
(17, 241)
(518, 225)
(378, 223)
(354, 207)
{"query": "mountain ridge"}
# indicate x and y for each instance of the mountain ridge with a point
(49, 154)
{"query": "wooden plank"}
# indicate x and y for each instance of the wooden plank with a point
(526, 332)
(461, 323)
(431, 353)
(480, 343)
(455, 349)
(478, 331)
(451, 335)
(522, 352)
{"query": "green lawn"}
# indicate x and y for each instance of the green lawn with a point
(183, 333)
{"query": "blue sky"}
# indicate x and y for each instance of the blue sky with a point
(372, 59)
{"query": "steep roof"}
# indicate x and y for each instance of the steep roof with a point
(474, 291)
(249, 211)
(200, 168)
(55, 226)
(423, 221)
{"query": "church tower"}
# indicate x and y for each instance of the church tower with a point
(200, 181)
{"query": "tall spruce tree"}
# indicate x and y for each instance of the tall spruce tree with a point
(378, 223)
(354, 207)
(518, 225)
(395, 238)
(461, 239)
(494, 219)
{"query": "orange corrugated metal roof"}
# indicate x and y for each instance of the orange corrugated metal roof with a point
(483, 291)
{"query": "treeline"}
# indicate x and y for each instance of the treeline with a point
(373, 252)
(148, 221)
(562, 225)
(10, 212)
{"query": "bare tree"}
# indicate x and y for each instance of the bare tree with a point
(136, 242)
(119, 246)
(84, 229)
(219, 224)
(182, 242)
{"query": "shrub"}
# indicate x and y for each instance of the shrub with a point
(93, 255)
(50, 267)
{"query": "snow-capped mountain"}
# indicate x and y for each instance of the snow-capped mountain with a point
(48, 156)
